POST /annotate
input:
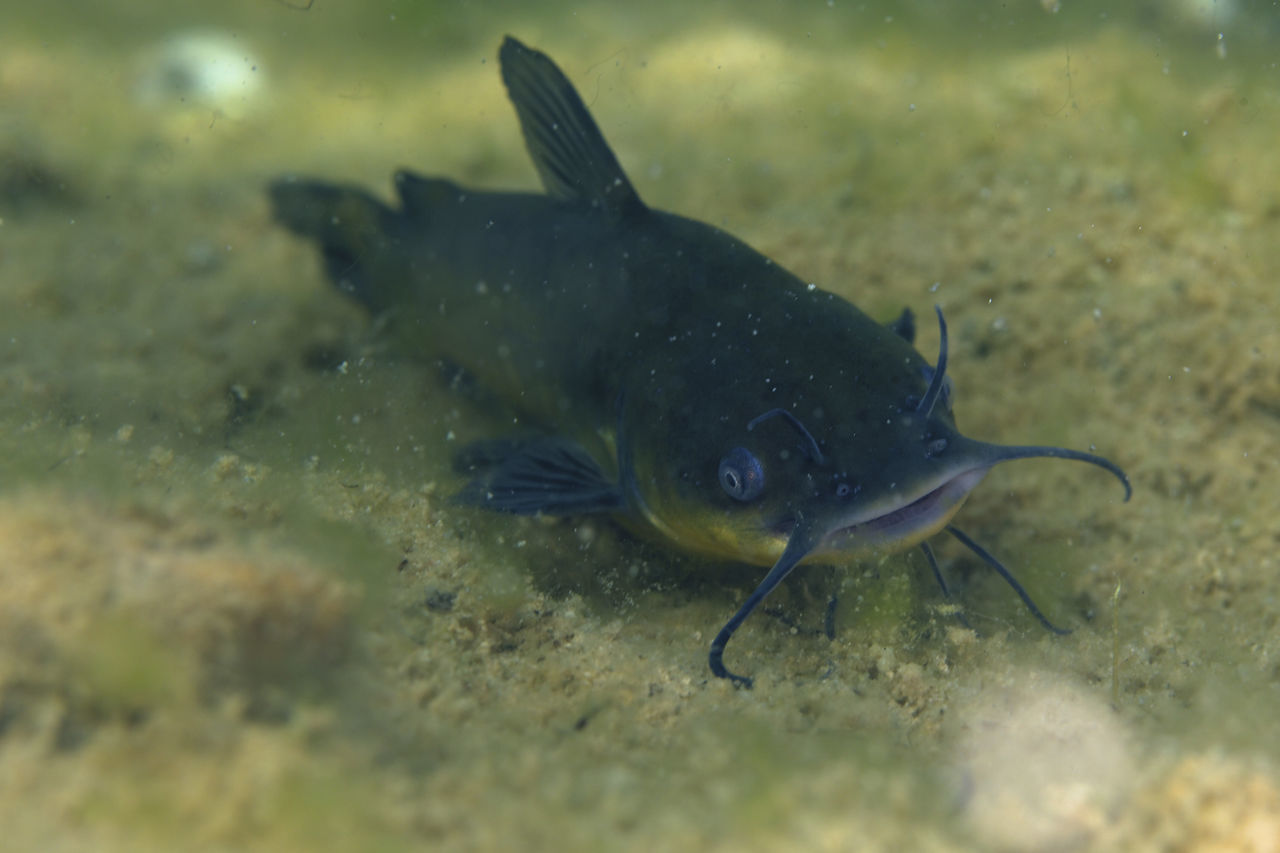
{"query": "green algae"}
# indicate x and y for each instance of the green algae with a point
(124, 668)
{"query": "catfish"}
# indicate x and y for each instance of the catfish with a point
(679, 381)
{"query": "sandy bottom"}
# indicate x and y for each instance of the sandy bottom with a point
(237, 611)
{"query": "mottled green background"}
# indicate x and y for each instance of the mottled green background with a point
(238, 613)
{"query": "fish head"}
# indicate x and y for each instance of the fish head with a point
(828, 458)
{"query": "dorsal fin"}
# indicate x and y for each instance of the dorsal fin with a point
(567, 148)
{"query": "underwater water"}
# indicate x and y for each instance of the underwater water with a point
(238, 611)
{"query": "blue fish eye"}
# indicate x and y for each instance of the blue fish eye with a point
(741, 475)
(843, 490)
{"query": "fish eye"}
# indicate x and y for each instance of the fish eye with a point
(843, 490)
(741, 475)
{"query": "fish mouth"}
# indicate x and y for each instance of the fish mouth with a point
(906, 521)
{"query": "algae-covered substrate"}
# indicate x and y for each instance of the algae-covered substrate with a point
(238, 611)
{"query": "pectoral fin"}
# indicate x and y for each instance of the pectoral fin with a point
(549, 476)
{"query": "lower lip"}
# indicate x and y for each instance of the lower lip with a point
(918, 519)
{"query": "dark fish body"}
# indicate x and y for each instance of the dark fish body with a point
(558, 308)
(681, 381)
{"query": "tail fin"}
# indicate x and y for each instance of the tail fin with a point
(351, 227)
